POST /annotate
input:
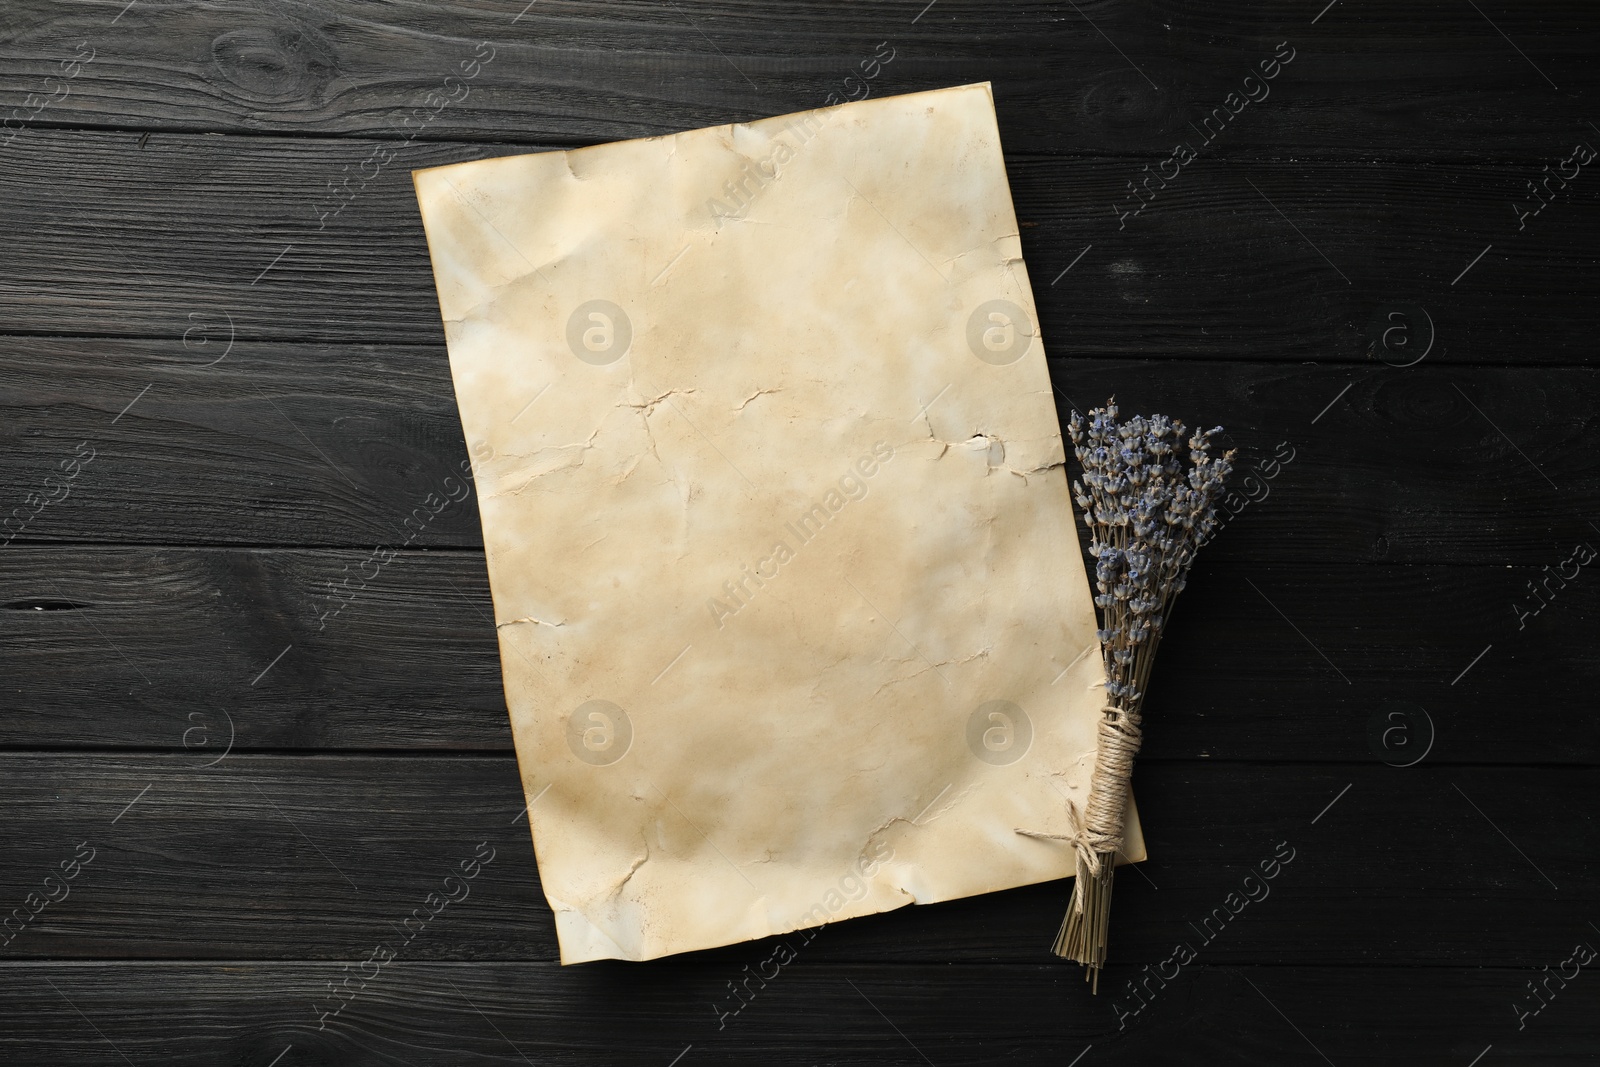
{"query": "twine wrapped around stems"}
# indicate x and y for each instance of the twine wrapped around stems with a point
(1148, 513)
(1096, 838)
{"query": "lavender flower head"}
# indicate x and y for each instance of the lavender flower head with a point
(1148, 512)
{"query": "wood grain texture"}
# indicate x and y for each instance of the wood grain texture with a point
(1283, 261)
(182, 649)
(273, 857)
(1428, 79)
(336, 445)
(210, 281)
(423, 1014)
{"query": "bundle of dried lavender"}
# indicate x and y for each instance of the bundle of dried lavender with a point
(1148, 512)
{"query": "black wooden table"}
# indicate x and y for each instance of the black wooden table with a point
(1361, 236)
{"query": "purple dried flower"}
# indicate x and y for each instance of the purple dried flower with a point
(1148, 512)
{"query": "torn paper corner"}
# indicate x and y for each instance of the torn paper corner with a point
(790, 602)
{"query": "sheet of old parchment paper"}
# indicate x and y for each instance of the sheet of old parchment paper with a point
(792, 614)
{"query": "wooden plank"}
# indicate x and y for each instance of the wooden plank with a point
(1428, 79)
(1231, 260)
(1280, 662)
(324, 857)
(293, 444)
(275, 444)
(188, 649)
(598, 1014)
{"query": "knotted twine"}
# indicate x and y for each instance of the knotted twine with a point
(1100, 832)
(1097, 836)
